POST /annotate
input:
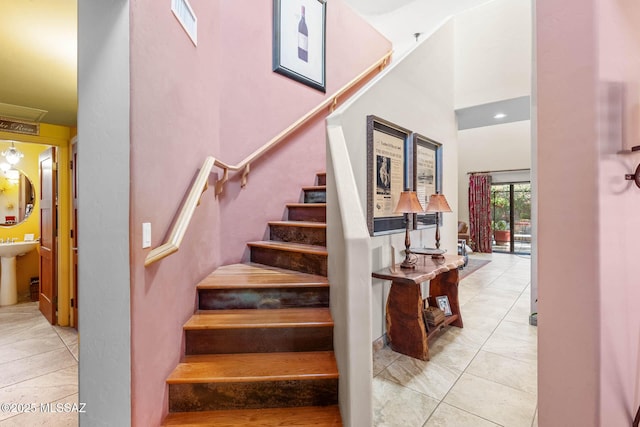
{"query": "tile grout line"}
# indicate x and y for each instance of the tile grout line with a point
(476, 355)
(37, 376)
(468, 364)
(465, 411)
(66, 345)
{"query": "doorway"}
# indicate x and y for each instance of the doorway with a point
(58, 292)
(511, 218)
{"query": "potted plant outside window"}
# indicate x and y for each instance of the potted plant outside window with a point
(501, 234)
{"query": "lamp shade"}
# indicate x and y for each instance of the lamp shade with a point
(408, 203)
(438, 203)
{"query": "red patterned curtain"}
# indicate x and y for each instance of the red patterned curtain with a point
(480, 212)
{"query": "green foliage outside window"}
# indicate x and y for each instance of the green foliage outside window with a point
(500, 204)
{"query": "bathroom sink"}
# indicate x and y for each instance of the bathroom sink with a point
(16, 249)
(8, 284)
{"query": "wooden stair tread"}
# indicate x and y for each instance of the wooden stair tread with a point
(314, 188)
(309, 224)
(255, 367)
(306, 205)
(290, 247)
(318, 416)
(253, 275)
(252, 318)
(259, 352)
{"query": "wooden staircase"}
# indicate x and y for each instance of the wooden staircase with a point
(259, 351)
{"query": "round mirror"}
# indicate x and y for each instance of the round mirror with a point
(17, 197)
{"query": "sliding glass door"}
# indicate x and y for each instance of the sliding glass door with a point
(511, 217)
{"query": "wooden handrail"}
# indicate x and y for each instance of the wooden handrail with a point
(172, 244)
(330, 102)
(201, 183)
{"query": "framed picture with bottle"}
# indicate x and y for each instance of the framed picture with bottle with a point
(299, 41)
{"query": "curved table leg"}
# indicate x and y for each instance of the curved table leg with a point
(405, 324)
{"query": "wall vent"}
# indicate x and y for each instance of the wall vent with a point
(187, 18)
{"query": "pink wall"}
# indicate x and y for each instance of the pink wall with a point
(219, 99)
(568, 243)
(619, 70)
(174, 123)
(589, 324)
(257, 104)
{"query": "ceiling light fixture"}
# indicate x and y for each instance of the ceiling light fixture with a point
(12, 154)
(500, 116)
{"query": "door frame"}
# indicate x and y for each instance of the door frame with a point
(73, 254)
(59, 137)
(511, 194)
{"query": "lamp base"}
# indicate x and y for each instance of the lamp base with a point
(410, 261)
(407, 265)
(438, 254)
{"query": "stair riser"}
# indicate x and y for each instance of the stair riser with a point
(305, 263)
(317, 416)
(308, 213)
(308, 235)
(258, 340)
(322, 179)
(315, 196)
(224, 299)
(271, 394)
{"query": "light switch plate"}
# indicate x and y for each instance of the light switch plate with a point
(146, 235)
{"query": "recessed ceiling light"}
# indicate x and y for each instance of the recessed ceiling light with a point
(500, 116)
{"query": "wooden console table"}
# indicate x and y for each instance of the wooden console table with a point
(406, 328)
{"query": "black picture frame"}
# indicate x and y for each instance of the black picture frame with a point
(296, 55)
(387, 150)
(425, 151)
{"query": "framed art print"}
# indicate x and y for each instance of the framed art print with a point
(387, 174)
(299, 41)
(427, 175)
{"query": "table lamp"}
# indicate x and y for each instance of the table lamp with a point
(408, 204)
(438, 203)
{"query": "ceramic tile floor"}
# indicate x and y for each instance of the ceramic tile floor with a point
(482, 375)
(38, 365)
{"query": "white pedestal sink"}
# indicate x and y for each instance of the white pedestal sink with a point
(8, 283)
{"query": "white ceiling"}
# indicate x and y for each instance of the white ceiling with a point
(377, 7)
(399, 20)
(38, 39)
(512, 110)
